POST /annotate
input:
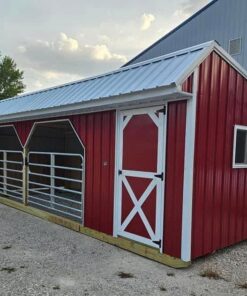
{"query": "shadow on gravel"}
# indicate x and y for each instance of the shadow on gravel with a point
(6, 247)
(8, 269)
(125, 275)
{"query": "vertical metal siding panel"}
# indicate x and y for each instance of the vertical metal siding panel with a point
(226, 166)
(241, 173)
(176, 124)
(244, 205)
(97, 131)
(236, 186)
(89, 215)
(199, 170)
(212, 145)
(104, 172)
(179, 172)
(106, 220)
(110, 201)
(170, 182)
(219, 161)
(210, 155)
(97, 170)
(219, 203)
(188, 84)
(229, 147)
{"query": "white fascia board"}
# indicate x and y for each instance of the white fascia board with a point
(230, 60)
(204, 54)
(208, 49)
(110, 103)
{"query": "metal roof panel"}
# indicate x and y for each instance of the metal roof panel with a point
(164, 71)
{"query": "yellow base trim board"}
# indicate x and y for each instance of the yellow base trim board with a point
(126, 244)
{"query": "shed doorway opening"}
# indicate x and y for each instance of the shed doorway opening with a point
(55, 159)
(11, 164)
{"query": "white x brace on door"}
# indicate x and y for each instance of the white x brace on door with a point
(140, 182)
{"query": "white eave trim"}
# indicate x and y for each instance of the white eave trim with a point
(143, 97)
(210, 47)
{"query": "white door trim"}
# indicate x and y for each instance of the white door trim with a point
(121, 123)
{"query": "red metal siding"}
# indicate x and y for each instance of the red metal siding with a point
(176, 125)
(23, 129)
(219, 203)
(97, 132)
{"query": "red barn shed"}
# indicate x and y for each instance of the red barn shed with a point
(151, 157)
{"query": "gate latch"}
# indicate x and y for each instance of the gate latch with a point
(25, 161)
(157, 243)
(161, 176)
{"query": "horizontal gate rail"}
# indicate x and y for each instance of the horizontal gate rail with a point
(10, 161)
(55, 182)
(11, 170)
(55, 187)
(56, 177)
(53, 202)
(48, 208)
(56, 167)
(59, 197)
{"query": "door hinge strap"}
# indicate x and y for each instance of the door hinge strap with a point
(160, 176)
(162, 110)
(157, 243)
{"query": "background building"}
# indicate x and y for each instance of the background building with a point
(224, 21)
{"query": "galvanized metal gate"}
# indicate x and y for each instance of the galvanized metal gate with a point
(11, 174)
(56, 183)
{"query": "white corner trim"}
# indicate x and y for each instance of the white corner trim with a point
(189, 172)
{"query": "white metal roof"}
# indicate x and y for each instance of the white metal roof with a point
(162, 75)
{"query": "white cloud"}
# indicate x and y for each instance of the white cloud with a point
(37, 84)
(147, 20)
(47, 63)
(66, 43)
(104, 39)
(21, 49)
(188, 7)
(100, 52)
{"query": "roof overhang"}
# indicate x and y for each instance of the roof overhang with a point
(152, 97)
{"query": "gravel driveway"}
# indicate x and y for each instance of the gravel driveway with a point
(40, 258)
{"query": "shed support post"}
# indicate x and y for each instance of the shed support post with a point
(25, 177)
(52, 180)
(189, 172)
(5, 172)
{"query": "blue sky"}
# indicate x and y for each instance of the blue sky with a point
(56, 41)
